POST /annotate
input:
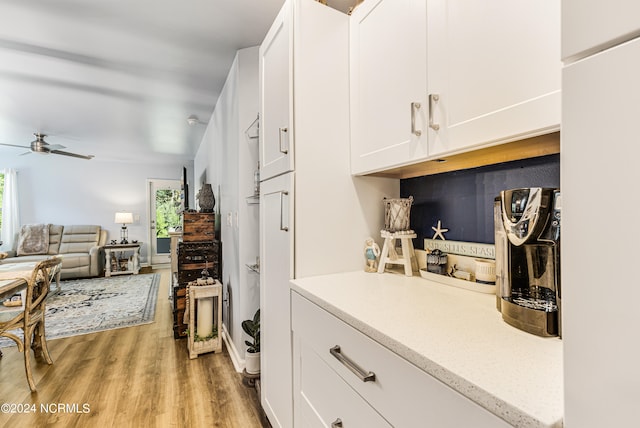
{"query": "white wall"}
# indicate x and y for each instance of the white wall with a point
(230, 158)
(60, 190)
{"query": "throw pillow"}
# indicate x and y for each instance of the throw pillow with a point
(33, 239)
(3, 255)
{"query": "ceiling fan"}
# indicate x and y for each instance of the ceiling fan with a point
(40, 146)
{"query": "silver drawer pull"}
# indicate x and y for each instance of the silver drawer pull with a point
(337, 423)
(355, 369)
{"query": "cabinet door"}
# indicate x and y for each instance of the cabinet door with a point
(388, 74)
(593, 25)
(600, 111)
(276, 135)
(496, 69)
(276, 269)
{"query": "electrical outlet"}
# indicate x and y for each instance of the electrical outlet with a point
(230, 219)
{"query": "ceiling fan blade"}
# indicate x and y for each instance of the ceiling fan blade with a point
(13, 145)
(74, 155)
(25, 153)
(55, 147)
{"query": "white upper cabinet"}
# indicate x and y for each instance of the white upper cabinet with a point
(496, 69)
(388, 74)
(276, 135)
(594, 25)
(436, 77)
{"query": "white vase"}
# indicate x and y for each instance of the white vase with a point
(252, 362)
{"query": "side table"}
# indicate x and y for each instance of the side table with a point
(117, 261)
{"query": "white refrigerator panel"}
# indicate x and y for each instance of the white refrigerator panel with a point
(599, 182)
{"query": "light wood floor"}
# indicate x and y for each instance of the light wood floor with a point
(137, 376)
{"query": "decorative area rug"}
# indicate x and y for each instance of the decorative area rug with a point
(90, 305)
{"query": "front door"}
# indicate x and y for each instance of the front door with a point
(164, 216)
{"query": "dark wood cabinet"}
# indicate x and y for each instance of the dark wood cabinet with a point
(199, 250)
(198, 227)
(195, 257)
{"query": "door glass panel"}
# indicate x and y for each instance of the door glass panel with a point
(167, 217)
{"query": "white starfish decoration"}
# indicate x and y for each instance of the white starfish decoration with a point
(439, 231)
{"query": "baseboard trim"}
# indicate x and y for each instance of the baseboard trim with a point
(238, 363)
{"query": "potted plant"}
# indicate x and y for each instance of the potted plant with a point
(252, 356)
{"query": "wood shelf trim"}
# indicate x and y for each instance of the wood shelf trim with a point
(542, 145)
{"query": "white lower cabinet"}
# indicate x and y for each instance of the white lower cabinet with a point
(323, 398)
(328, 387)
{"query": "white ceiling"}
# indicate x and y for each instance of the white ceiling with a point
(118, 78)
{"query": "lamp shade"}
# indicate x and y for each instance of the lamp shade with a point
(124, 218)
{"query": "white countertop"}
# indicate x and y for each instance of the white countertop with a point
(455, 335)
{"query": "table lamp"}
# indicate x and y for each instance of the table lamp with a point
(124, 219)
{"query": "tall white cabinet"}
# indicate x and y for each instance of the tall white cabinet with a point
(601, 96)
(437, 77)
(276, 269)
(315, 217)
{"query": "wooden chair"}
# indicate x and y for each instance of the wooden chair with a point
(31, 318)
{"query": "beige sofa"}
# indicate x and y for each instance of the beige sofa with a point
(79, 246)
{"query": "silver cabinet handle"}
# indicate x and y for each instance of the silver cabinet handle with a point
(280, 132)
(281, 193)
(414, 106)
(282, 226)
(363, 375)
(433, 98)
(337, 423)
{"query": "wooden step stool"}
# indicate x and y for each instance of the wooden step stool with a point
(389, 254)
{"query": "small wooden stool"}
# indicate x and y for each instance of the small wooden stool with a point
(389, 254)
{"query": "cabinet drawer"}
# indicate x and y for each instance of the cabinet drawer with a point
(321, 397)
(404, 394)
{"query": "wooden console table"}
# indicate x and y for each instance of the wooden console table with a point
(121, 265)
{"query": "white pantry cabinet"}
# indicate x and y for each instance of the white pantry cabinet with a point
(437, 77)
(331, 211)
(364, 375)
(589, 26)
(276, 135)
(276, 268)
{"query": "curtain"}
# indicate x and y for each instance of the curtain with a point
(10, 218)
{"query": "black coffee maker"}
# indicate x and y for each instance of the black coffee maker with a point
(527, 234)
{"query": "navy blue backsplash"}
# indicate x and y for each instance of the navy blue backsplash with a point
(463, 200)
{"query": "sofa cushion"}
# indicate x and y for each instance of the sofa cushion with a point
(79, 239)
(26, 259)
(55, 236)
(75, 265)
(33, 239)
